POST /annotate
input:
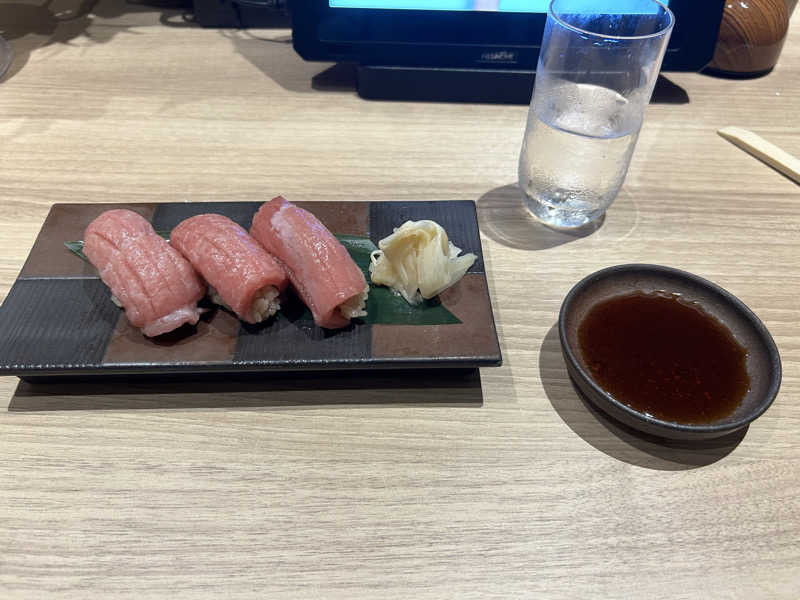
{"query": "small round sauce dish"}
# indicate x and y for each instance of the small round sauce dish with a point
(667, 352)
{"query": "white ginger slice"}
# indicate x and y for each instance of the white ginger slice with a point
(418, 261)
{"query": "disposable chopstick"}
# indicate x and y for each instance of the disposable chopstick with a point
(763, 151)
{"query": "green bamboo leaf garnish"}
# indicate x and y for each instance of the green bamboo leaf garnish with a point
(77, 248)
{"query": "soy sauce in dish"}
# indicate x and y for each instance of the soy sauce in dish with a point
(665, 357)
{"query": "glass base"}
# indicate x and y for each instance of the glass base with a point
(562, 217)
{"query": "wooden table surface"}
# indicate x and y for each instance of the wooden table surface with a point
(501, 486)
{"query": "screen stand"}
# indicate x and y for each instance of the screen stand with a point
(445, 85)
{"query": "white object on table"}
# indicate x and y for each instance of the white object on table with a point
(763, 150)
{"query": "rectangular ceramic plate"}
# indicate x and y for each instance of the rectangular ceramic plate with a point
(58, 319)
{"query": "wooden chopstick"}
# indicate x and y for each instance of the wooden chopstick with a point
(763, 150)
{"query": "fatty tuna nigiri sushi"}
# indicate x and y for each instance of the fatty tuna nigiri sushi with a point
(156, 286)
(242, 275)
(319, 267)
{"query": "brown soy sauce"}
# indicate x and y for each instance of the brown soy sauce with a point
(665, 357)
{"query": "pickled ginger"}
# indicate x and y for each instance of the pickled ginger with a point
(418, 261)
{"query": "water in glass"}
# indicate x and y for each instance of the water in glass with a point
(593, 130)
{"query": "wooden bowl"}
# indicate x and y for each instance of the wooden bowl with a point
(750, 37)
(763, 362)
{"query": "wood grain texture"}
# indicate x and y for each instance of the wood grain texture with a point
(751, 36)
(765, 151)
(502, 487)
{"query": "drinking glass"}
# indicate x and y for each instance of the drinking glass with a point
(597, 68)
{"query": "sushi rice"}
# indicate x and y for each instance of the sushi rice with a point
(265, 302)
(355, 306)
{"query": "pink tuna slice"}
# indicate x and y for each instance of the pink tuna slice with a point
(158, 288)
(319, 267)
(230, 260)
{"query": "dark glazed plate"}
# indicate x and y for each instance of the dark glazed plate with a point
(57, 319)
(763, 361)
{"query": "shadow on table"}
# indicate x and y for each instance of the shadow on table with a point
(28, 26)
(434, 387)
(503, 218)
(272, 53)
(343, 77)
(614, 438)
(668, 92)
